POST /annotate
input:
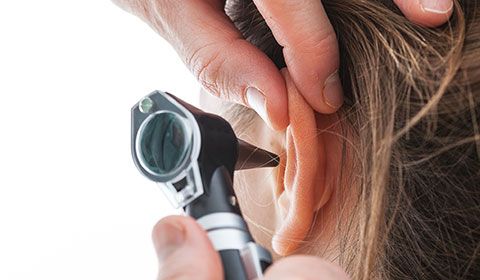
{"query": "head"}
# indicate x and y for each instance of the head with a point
(388, 187)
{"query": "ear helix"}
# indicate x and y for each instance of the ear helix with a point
(304, 161)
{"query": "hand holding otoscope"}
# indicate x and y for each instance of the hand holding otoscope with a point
(192, 155)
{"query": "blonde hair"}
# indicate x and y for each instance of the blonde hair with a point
(412, 101)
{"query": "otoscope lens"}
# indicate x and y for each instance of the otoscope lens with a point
(164, 143)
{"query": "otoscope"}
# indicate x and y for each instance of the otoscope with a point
(192, 155)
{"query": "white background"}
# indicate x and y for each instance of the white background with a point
(72, 204)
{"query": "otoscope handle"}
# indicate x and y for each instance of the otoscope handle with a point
(242, 258)
(219, 214)
(194, 154)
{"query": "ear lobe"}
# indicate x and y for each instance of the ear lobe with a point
(301, 189)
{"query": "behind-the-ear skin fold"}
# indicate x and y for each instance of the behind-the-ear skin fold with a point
(301, 181)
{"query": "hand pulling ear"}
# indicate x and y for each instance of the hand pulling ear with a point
(302, 187)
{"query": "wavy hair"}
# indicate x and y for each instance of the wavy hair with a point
(413, 105)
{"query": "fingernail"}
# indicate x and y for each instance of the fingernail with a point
(437, 6)
(332, 91)
(169, 239)
(256, 101)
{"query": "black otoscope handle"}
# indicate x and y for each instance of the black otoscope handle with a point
(216, 209)
(219, 214)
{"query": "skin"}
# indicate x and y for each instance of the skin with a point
(179, 238)
(214, 50)
(279, 203)
(268, 205)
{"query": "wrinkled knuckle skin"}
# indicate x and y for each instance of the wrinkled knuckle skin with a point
(319, 46)
(164, 14)
(164, 4)
(206, 66)
(322, 49)
(165, 7)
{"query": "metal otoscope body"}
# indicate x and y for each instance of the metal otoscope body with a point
(193, 155)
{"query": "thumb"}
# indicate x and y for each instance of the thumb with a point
(184, 250)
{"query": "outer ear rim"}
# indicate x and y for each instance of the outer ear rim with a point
(302, 175)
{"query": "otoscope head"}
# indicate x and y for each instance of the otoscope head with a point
(179, 146)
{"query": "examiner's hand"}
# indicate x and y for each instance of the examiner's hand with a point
(185, 252)
(230, 67)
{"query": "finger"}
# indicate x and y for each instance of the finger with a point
(184, 250)
(225, 64)
(305, 267)
(310, 49)
(429, 13)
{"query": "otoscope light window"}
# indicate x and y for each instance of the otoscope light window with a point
(165, 143)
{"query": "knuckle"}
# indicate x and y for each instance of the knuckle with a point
(322, 55)
(163, 14)
(319, 45)
(206, 64)
(165, 5)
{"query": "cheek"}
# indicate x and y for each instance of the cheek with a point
(255, 192)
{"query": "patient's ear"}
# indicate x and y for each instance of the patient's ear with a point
(305, 184)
